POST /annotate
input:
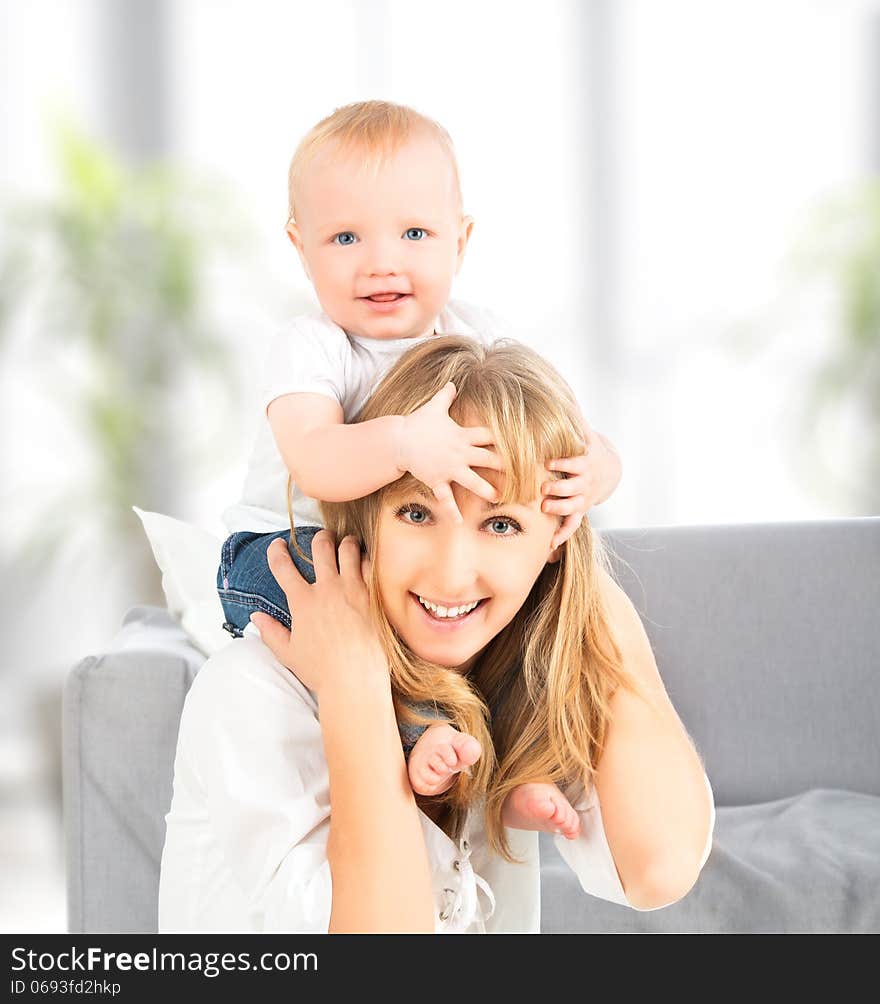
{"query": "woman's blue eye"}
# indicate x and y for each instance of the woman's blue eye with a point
(418, 510)
(410, 509)
(416, 233)
(343, 238)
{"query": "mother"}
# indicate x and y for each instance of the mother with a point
(291, 807)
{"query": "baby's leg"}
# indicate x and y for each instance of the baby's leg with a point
(438, 755)
(540, 806)
(245, 583)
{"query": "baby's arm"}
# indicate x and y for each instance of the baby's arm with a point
(328, 459)
(613, 469)
(590, 479)
(335, 462)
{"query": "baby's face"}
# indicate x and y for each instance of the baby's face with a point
(396, 234)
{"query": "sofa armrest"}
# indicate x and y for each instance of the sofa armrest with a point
(121, 712)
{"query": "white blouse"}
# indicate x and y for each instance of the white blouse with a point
(245, 845)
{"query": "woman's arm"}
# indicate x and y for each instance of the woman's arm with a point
(378, 861)
(379, 865)
(650, 781)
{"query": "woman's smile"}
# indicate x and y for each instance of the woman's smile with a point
(439, 619)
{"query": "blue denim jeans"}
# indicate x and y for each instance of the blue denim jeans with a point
(246, 585)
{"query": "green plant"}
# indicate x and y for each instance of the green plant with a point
(840, 255)
(109, 272)
(821, 334)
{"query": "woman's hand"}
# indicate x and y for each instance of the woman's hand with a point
(333, 642)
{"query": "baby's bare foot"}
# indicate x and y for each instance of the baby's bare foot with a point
(540, 806)
(440, 753)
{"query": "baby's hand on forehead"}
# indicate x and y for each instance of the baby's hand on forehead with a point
(438, 451)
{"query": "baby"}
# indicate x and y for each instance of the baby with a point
(376, 217)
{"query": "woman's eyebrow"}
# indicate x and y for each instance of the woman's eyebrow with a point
(426, 493)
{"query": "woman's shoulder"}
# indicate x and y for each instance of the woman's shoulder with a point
(616, 603)
(622, 617)
(245, 677)
(250, 746)
(627, 630)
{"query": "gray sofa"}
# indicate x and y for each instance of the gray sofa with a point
(768, 639)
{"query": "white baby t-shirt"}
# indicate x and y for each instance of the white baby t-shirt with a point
(315, 355)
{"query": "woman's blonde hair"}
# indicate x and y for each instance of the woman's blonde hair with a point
(375, 129)
(537, 697)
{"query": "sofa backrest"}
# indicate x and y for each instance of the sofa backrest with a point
(766, 637)
(768, 640)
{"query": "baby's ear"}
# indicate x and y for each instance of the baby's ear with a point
(464, 234)
(292, 231)
(293, 234)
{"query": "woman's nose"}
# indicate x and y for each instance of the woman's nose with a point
(455, 573)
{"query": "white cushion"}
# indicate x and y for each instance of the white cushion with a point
(188, 557)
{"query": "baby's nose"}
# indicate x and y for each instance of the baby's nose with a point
(383, 258)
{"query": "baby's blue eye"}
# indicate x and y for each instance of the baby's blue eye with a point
(416, 233)
(345, 238)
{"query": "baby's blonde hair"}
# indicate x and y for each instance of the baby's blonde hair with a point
(376, 129)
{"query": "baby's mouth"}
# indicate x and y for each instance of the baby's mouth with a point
(385, 297)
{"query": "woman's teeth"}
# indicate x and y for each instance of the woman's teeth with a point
(450, 611)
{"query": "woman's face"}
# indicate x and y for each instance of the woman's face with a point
(494, 556)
